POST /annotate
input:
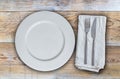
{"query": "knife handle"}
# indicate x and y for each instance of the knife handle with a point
(85, 49)
(93, 53)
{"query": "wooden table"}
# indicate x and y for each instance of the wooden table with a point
(12, 13)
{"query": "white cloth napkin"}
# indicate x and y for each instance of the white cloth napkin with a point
(99, 44)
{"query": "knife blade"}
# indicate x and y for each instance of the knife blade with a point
(93, 35)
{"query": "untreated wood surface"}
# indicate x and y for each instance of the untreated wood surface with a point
(11, 65)
(9, 21)
(12, 12)
(59, 5)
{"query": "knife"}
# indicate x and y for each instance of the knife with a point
(93, 35)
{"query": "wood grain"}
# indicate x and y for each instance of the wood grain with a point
(12, 12)
(8, 54)
(60, 5)
(9, 21)
(11, 64)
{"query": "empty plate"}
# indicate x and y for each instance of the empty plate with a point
(44, 41)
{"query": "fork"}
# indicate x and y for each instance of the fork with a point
(87, 28)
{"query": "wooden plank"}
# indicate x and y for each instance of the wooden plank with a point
(32, 5)
(10, 65)
(96, 5)
(22, 71)
(9, 21)
(59, 5)
(8, 54)
(16, 67)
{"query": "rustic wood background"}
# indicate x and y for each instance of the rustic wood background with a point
(12, 12)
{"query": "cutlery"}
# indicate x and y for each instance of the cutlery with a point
(93, 35)
(87, 28)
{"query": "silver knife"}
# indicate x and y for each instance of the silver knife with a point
(93, 35)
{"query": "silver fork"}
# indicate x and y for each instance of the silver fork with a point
(87, 28)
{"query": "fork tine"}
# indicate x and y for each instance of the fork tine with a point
(87, 24)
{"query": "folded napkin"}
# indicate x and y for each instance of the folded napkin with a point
(90, 50)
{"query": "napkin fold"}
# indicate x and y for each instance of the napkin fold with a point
(99, 43)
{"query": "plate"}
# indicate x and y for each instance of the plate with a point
(44, 41)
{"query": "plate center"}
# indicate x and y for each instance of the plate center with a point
(44, 40)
